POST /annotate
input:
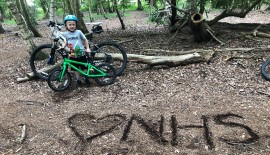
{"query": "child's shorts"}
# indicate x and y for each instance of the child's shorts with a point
(80, 59)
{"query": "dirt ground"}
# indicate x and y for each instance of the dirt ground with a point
(221, 107)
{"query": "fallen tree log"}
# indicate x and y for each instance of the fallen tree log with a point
(257, 33)
(31, 75)
(171, 60)
(261, 34)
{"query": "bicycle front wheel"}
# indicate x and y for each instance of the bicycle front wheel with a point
(43, 60)
(265, 70)
(55, 83)
(110, 75)
(112, 53)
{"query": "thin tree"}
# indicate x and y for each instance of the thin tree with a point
(89, 10)
(1, 20)
(21, 23)
(64, 8)
(79, 15)
(110, 10)
(118, 15)
(45, 9)
(2, 14)
(25, 13)
(139, 5)
(2, 30)
(101, 9)
(69, 7)
(51, 11)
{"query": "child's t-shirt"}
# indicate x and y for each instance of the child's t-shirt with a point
(74, 39)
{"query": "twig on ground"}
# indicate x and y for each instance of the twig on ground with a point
(263, 93)
(23, 135)
(222, 43)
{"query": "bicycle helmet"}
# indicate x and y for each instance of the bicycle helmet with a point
(70, 18)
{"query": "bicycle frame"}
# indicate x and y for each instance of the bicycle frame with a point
(69, 63)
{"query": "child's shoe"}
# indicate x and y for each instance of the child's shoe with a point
(79, 83)
(87, 82)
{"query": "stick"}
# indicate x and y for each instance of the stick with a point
(222, 43)
(264, 93)
(23, 135)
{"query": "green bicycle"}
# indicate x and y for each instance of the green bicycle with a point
(44, 58)
(60, 79)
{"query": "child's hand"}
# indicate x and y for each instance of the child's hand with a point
(88, 50)
(61, 47)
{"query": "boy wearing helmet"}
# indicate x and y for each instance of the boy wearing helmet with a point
(76, 41)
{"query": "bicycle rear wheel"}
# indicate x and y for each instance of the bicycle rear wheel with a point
(42, 63)
(55, 83)
(265, 70)
(112, 53)
(109, 78)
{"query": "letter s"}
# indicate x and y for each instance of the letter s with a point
(219, 119)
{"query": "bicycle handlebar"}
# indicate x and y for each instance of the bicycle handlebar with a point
(55, 29)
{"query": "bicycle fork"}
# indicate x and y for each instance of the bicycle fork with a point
(63, 71)
(52, 53)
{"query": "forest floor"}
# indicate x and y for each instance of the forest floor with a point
(221, 107)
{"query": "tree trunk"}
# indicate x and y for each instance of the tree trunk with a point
(69, 8)
(1, 20)
(118, 15)
(45, 9)
(81, 24)
(51, 12)
(101, 8)
(64, 8)
(174, 13)
(110, 10)
(91, 19)
(27, 36)
(139, 7)
(123, 6)
(199, 28)
(26, 17)
(1, 28)
(1, 16)
(193, 6)
(27, 13)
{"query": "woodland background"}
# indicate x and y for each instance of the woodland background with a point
(228, 86)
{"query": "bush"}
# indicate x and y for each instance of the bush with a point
(84, 8)
(60, 11)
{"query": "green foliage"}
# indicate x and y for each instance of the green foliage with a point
(60, 11)
(84, 8)
(131, 7)
(40, 13)
(181, 3)
(158, 17)
(9, 21)
(4, 8)
(100, 16)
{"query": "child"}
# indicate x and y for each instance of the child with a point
(76, 41)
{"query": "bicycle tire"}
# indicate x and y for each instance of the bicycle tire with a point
(39, 61)
(265, 70)
(111, 75)
(55, 83)
(108, 48)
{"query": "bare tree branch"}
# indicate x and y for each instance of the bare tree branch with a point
(227, 13)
